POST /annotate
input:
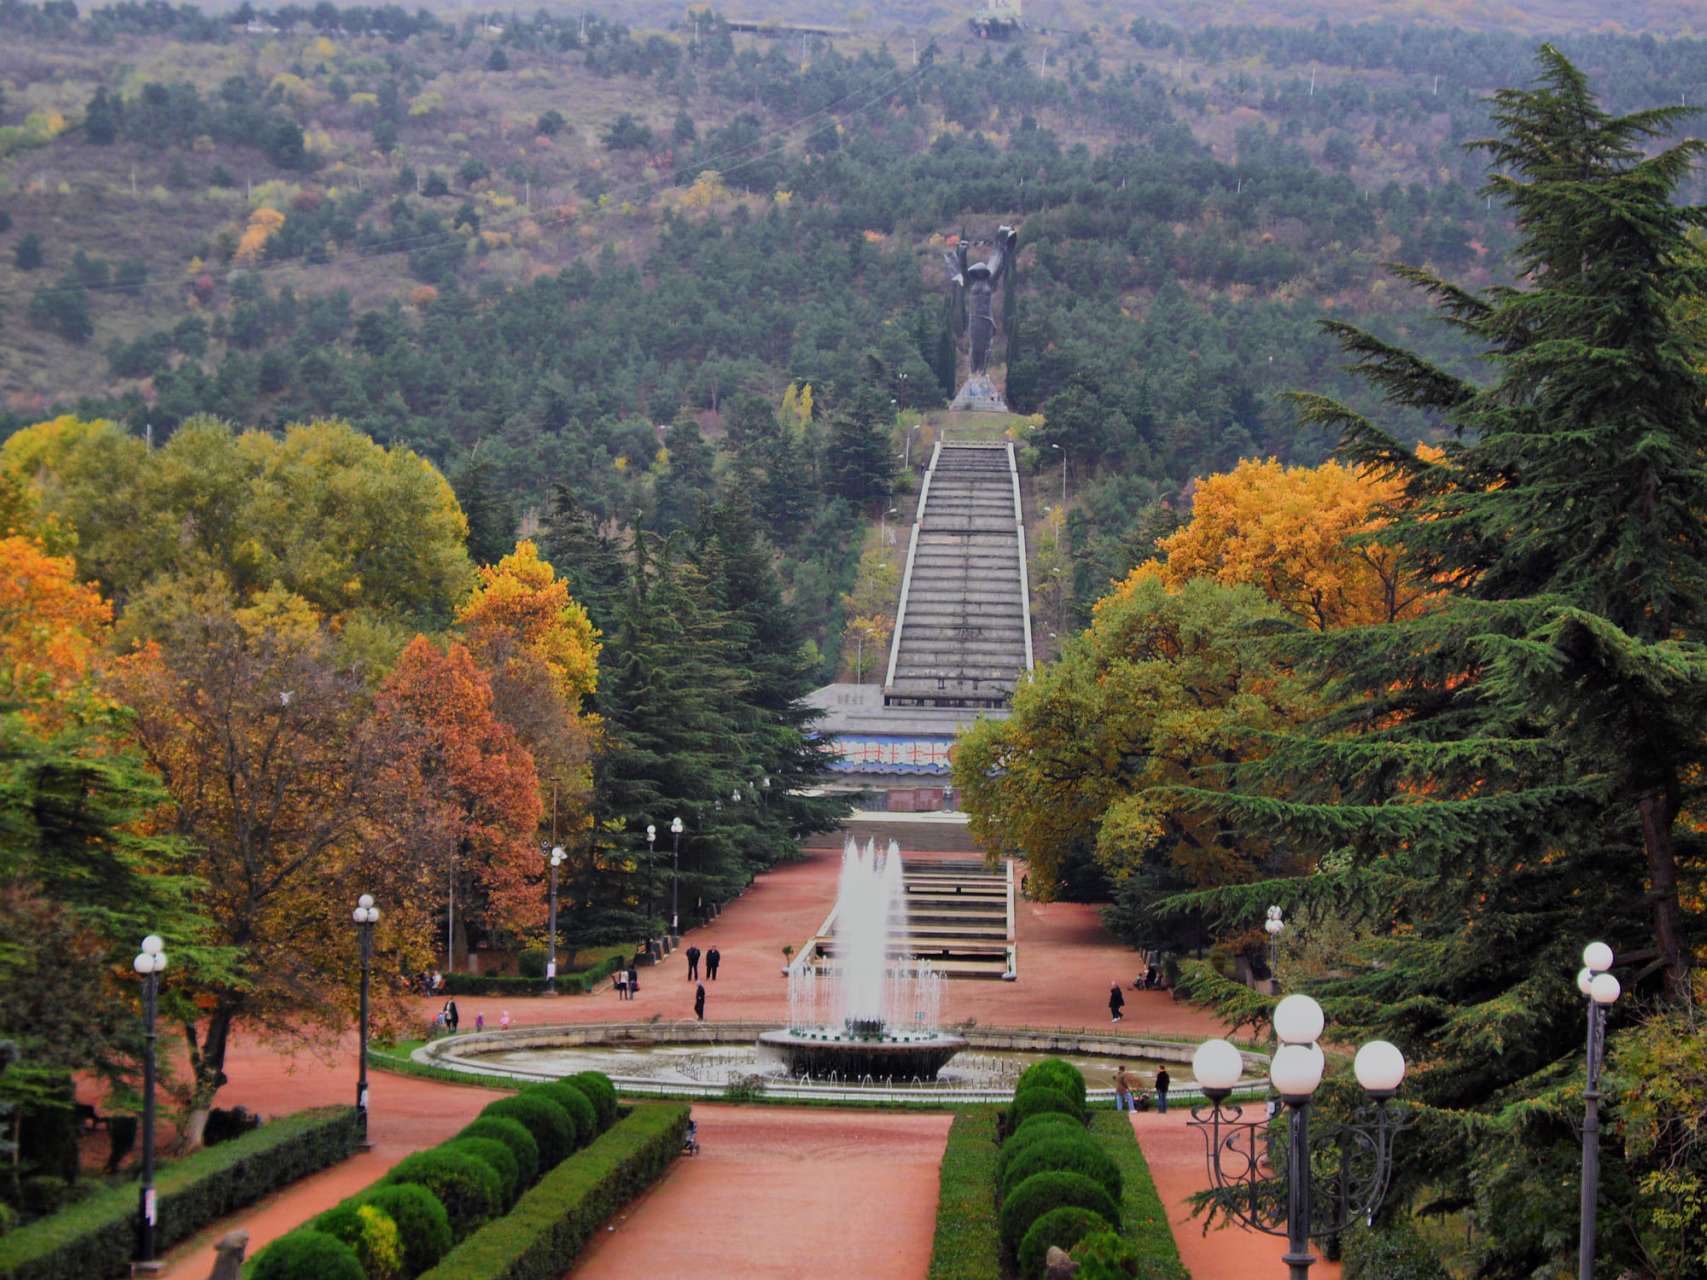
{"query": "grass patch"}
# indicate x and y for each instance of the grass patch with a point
(967, 1245)
(1142, 1212)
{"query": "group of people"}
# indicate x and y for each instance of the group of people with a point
(626, 980)
(713, 958)
(1127, 1099)
(430, 984)
(449, 1018)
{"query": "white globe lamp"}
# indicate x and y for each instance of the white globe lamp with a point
(1380, 1068)
(1217, 1066)
(1597, 957)
(1298, 1020)
(1295, 1071)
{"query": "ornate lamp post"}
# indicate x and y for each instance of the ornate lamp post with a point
(1269, 1188)
(1272, 926)
(366, 915)
(150, 963)
(675, 877)
(1601, 990)
(556, 858)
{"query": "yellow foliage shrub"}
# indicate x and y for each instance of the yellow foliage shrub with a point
(263, 225)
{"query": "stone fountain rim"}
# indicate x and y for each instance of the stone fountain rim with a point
(460, 1052)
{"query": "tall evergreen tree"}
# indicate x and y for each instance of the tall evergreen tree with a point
(491, 514)
(1503, 777)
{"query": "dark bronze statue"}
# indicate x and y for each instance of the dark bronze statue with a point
(974, 288)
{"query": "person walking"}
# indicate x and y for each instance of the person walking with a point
(1122, 1089)
(693, 964)
(699, 1002)
(480, 1021)
(1162, 1083)
(451, 1015)
(620, 982)
(713, 958)
(633, 980)
(1116, 1002)
(504, 1021)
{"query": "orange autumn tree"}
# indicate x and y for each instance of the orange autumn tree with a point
(522, 595)
(471, 786)
(1293, 533)
(51, 625)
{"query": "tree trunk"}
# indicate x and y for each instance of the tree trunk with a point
(1659, 810)
(207, 1063)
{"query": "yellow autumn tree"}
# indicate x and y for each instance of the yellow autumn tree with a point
(51, 625)
(263, 226)
(1294, 534)
(523, 596)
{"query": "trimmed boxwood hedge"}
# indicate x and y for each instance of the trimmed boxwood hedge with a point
(1041, 1099)
(469, 1189)
(514, 1135)
(495, 1156)
(1046, 1120)
(600, 1092)
(1108, 1255)
(540, 1238)
(1064, 1228)
(95, 1237)
(1052, 1189)
(370, 1232)
(1141, 1208)
(573, 1100)
(966, 1246)
(578, 983)
(1071, 1152)
(307, 1255)
(421, 1220)
(552, 1127)
(1055, 1073)
(1021, 1142)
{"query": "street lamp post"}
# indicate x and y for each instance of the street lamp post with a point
(150, 963)
(651, 867)
(366, 915)
(1270, 1189)
(1063, 473)
(1601, 990)
(675, 878)
(1272, 926)
(556, 858)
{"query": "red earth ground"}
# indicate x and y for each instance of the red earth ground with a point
(770, 1189)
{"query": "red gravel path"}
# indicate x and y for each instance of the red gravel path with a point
(785, 1194)
(1175, 1155)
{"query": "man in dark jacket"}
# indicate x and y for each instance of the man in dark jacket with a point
(713, 958)
(693, 964)
(451, 1015)
(1116, 1002)
(699, 1002)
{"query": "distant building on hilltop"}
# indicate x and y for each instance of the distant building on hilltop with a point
(998, 20)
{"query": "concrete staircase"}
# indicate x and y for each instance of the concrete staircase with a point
(960, 917)
(963, 628)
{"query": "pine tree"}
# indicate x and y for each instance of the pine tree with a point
(491, 515)
(1502, 780)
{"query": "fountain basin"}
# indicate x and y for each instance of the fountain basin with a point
(900, 1057)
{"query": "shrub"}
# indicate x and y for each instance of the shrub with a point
(541, 1236)
(1039, 1099)
(514, 1136)
(573, 1100)
(95, 1238)
(966, 1246)
(307, 1255)
(1055, 1073)
(476, 984)
(1052, 1189)
(549, 1124)
(1019, 1142)
(1062, 1228)
(469, 1190)
(421, 1221)
(371, 1234)
(1142, 1213)
(600, 1092)
(496, 1156)
(1074, 1154)
(1107, 1255)
(1047, 1122)
(1395, 1252)
(531, 962)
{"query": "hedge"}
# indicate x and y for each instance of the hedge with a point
(1055, 1073)
(469, 1189)
(1395, 1252)
(573, 1100)
(600, 1092)
(95, 1238)
(422, 1223)
(551, 1126)
(492, 1153)
(1063, 1227)
(966, 1245)
(372, 1235)
(1042, 1099)
(514, 1135)
(1073, 1153)
(1141, 1208)
(307, 1255)
(578, 983)
(1108, 1255)
(1052, 1189)
(1019, 1143)
(540, 1238)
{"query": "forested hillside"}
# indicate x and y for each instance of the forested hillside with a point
(556, 250)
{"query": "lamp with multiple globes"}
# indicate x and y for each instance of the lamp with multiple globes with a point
(555, 858)
(676, 830)
(150, 962)
(366, 915)
(1600, 991)
(1266, 1180)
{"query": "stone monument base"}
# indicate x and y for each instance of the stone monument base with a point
(980, 395)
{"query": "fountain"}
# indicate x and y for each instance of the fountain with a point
(865, 1013)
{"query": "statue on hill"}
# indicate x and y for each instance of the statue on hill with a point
(972, 311)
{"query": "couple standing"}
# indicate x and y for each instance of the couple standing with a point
(713, 958)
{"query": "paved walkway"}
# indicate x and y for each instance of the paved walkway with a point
(785, 1194)
(1175, 1155)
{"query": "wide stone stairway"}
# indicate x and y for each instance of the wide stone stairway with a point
(963, 628)
(959, 917)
